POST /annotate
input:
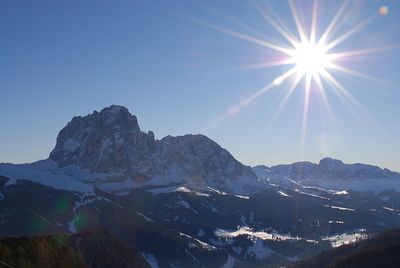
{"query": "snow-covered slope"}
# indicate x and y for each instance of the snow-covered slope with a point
(330, 174)
(108, 150)
(43, 172)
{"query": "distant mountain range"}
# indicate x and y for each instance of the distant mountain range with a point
(107, 150)
(186, 201)
(332, 174)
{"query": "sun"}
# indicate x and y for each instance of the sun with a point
(309, 55)
(310, 58)
(313, 54)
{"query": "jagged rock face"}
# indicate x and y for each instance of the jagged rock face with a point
(111, 141)
(105, 141)
(201, 158)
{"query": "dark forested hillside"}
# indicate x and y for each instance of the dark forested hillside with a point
(382, 250)
(95, 248)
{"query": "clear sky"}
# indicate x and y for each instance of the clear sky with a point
(166, 63)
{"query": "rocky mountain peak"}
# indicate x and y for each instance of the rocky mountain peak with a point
(109, 139)
(111, 142)
(330, 163)
(116, 119)
(200, 158)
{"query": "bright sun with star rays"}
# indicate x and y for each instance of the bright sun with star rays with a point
(308, 56)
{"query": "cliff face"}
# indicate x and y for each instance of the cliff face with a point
(110, 141)
(105, 141)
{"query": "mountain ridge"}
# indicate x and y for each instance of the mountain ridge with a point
(186, 201)
(330, 174)
(324, 161)
(108, 150)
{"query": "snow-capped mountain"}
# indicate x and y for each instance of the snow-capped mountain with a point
(108, 150)
(331, 174)
(106, 141)
(190, 200)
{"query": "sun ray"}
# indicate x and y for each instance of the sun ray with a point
(322, 93)
(235, 109)
(231, 19)
(361, 52)
(349, 33)
(266, 64)
(270, 85)
(289, 37)
(341, 90)
(332, 24)
(242, 36)
(288, 94)
(359, 74)
(314, 22)
(296, 18)
(310, 56)
(307, 90)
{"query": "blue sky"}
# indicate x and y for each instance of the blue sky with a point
(59, 59)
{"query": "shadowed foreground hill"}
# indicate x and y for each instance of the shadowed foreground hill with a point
(95, 248)
(382, 250)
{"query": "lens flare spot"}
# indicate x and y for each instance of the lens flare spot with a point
(62, 205)
(278, 80)
(38, 224)
(383, 10)
(233, 110)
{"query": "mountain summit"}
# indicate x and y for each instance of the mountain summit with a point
(110, 142)
(109, 151)
(189, 199)
(105, 141)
